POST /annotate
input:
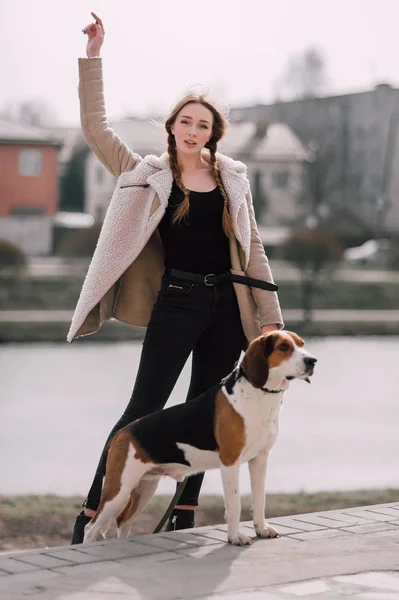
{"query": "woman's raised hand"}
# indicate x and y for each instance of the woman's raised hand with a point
(95, 36)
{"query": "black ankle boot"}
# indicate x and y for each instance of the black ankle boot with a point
(180, 519)
(79, 528)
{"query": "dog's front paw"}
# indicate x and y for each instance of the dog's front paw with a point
(239, 539)
(267, 531)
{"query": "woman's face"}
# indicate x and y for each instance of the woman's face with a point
(192, 128)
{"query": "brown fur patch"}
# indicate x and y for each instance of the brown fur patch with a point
(229, 431)
(278, 356)
(116, 460)
(255, 362)
(298, 340)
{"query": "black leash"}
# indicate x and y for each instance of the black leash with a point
(179, 490)
(258, 283)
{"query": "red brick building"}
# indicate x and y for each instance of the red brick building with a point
(28, 187)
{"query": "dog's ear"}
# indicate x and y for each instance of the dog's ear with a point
(298, 340)
(255, 361)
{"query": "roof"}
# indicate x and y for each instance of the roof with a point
(238, 137)
(11, 132)
(71, 139)
(280, 142)
(240, 112)
(144, 136)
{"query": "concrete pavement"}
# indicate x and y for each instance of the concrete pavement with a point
(325, 555)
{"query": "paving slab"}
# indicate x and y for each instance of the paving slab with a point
(373, 515)
(326, 555)
(371, 527)
(73, 556)
(297, 523)
(122, 549)
(12, 566)
(344, 517)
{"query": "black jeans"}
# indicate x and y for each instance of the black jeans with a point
(186, 318)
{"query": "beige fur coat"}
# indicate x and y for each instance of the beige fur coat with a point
(124, 276)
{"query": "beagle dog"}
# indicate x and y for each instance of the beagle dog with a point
(234, 422)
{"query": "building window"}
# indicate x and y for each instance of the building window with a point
(30, 162)
(281, 179)
(26, 211)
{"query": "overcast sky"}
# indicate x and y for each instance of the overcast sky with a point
(155, 50)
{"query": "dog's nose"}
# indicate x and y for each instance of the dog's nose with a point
(309, 361)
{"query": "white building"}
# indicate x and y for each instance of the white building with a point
(274, 157)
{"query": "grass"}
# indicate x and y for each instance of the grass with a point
(39, 521)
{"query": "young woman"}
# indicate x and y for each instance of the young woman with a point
(177, 229)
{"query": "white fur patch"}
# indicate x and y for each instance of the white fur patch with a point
(200, 460)
(260, 412)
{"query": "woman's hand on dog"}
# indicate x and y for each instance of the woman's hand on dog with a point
(267, 328)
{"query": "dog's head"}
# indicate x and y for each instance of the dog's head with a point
(276, 358)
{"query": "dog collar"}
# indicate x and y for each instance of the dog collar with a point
(264, 389)
(241, 373)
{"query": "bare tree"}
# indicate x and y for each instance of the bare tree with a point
(36, 113)
(313, 252)
(305, 76)
(12, 258)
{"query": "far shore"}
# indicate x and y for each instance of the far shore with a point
(52, 326)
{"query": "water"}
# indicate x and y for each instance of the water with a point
(59, 401)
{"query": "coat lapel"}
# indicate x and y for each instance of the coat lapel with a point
(236, 184)
(162, 182)
(234, 179)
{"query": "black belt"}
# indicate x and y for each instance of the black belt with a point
(212, 279)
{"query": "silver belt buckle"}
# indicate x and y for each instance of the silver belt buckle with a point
(205, 279)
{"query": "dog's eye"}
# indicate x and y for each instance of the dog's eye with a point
(284, 347)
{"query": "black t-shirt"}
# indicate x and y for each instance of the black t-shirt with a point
(198, 243)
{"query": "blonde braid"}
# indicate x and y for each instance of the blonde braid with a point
(182, 211)
(226, 219)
